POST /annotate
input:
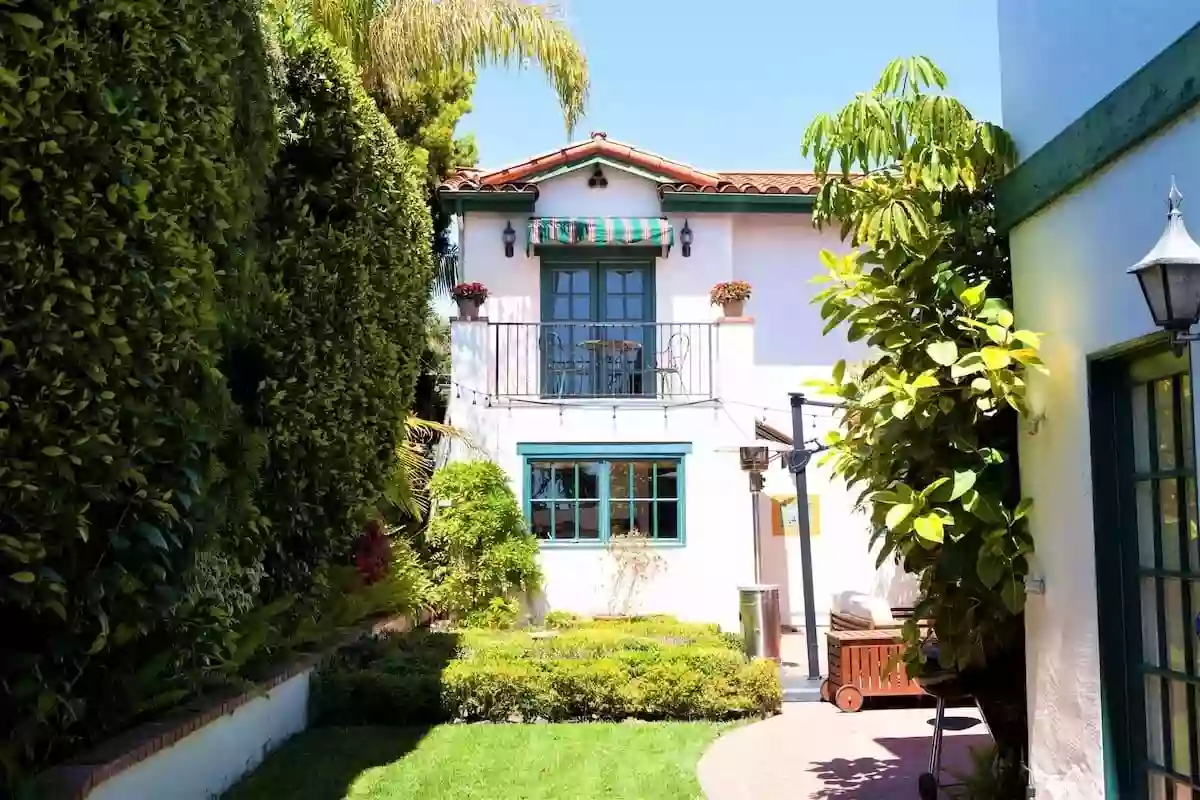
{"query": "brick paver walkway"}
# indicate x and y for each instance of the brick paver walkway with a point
(814, 751)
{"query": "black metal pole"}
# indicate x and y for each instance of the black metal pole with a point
(799, 462)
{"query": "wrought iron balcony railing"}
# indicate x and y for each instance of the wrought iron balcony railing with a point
(601, 360)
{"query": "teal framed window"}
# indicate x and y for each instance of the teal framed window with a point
(580, 494)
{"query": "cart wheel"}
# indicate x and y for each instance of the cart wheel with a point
(927, 787)
(849, 698)
(826, 691)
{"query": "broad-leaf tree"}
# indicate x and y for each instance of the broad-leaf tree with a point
(396, 41)
(929, 426)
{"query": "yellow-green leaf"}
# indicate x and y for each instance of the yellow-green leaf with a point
(875, 395)
(23, 577)
(974, 296)
(53, 451)
(897, 514)
(902, 408)
(26, 21)
(944, 353)
(995, 357)
(929, 527)
(1004, 317)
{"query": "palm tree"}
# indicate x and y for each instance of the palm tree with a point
(395, 41)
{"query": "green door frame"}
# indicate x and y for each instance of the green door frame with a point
(1111, 375)
(575, 257)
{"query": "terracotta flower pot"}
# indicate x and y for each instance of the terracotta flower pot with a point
(467, 309)
(733, 308)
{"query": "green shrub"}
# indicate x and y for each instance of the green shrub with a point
(134, 139)
(479, 544)
(501, 613)
(557, 620)
(509, 676)
(348, 275)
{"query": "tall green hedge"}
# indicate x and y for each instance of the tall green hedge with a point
(132, 149)
(213, 275)
(349, 273)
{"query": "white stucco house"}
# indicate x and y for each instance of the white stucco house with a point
(1102, 104)
(615, 396)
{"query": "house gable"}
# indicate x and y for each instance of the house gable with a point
(679, 187)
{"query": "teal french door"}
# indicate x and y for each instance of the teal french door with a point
(597, 332)
(1148, 574)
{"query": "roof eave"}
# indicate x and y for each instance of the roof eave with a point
(755, 203)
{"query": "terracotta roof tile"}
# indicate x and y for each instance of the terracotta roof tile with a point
(773, 182)
(685, 178)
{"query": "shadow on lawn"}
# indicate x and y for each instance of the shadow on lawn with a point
(872, 778)
(392, 680)
(324, 763)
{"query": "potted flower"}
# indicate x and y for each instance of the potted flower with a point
(469, 296)
(731, 296)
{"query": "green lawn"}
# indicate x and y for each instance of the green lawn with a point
(583, 761)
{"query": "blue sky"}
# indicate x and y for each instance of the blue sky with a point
(732, 84)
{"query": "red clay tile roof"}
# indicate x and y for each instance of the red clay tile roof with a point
(686, 178)
(598, 145)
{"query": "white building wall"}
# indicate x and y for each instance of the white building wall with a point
(1059, 58)
(755, 367)
(1069, 265)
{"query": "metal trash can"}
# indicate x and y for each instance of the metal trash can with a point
(758, 611)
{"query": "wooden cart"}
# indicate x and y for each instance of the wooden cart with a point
(857, 663)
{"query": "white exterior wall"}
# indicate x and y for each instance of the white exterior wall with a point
(1069, 263)
(755, 366)
(204, 764)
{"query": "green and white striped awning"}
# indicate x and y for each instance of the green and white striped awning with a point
(651, 231)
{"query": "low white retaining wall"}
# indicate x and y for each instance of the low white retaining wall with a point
(199, 752)
(205, 763)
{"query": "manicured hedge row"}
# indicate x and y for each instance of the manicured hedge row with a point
(590, 675)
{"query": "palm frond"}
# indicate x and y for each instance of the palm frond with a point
(414, 466)
(447, 271)
(414, 37)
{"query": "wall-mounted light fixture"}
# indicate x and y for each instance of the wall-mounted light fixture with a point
(1170, 277)
(685, 239)
(510, 238)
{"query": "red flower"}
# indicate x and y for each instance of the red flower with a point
(373, 553)
(470, 291)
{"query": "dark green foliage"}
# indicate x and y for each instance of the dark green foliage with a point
(210, 329)
(348, 274)
(425, 115)
(132, 157)
(593, 672)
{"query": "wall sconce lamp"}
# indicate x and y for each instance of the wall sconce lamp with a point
(510, 238)
(1170, 277)
(685, 239)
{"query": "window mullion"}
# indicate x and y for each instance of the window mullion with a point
(603, 515)
(578, 505)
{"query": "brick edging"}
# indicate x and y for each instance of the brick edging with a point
(77, 778)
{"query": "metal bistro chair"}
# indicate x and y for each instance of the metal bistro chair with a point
(560, 365)
(669, 362)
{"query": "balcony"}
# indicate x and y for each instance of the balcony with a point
(601, 360)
